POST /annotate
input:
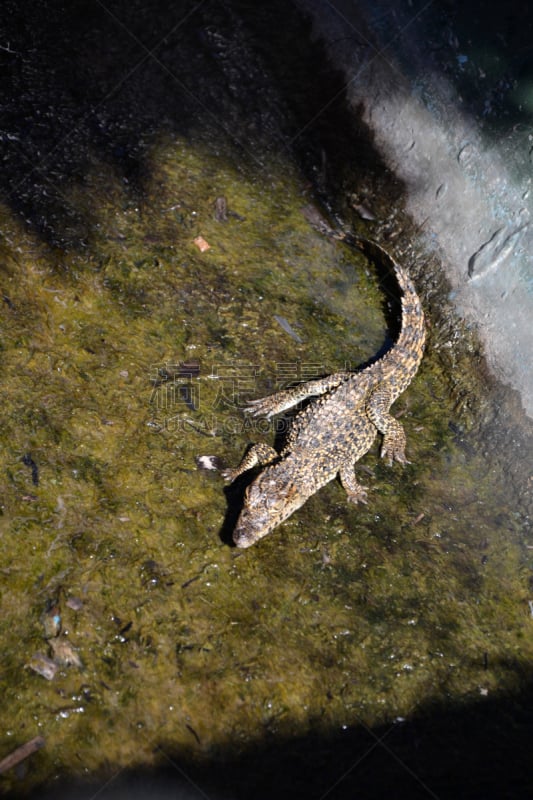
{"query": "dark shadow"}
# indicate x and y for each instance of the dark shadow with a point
(85, 84)
(479, 750)
(235, 498)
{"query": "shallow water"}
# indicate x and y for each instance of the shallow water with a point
(126, 357)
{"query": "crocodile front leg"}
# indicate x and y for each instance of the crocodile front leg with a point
(377, 409)
(288, 398)
(257, 455)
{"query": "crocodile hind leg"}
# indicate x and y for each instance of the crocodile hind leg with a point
(258, 454)
(377, 409)
(356, 493)
(288, 398)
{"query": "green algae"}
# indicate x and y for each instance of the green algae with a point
(343, 615)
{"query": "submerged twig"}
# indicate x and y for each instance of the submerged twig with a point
(21, 753)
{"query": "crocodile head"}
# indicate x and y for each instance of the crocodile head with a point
(268, 501)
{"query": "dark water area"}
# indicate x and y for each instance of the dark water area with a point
(383, 649)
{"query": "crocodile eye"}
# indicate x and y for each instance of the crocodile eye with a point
(252, 495)
(280, 496)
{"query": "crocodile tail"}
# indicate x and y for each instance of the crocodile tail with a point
(406, 354)
(409, 346)
(378, 253)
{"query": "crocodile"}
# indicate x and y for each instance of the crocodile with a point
(338, 425)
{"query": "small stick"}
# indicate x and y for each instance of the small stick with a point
(21, 753)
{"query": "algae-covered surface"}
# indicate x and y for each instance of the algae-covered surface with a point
(130, 628)
(342, 615)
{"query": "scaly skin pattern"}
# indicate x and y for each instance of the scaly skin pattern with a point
(336, 428)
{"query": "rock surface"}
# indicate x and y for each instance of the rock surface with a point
(455, 132)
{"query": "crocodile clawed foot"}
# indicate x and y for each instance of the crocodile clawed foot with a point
(263, 407)
(360, 496)
(393, 453)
